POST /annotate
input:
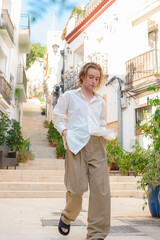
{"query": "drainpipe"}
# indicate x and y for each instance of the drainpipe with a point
(119, 96)
(63, 69)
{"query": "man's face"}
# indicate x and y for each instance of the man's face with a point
(91, 80)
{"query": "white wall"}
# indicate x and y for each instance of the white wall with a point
(12, 55)
(129, 124)
(54, 37)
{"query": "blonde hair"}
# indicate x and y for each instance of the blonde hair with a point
(84, 70)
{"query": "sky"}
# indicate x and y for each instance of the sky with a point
(43, 24)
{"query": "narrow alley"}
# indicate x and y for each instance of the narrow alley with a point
(33, 195)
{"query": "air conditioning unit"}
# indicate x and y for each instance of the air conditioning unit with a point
(124, 102)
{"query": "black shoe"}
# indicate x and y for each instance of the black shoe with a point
(63, 225)
(100, 239)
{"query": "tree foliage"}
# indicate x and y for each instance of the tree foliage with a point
(37, 9)
(36, 50)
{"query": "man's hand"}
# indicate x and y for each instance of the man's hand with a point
(64, 134)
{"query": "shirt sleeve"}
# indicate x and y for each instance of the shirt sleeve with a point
(59, 113)
(108, 133)
(103, 115)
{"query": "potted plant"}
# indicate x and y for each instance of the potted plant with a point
(46, 123)
(60, 150)
(14, 136)
(52, 133)
(146, 162)
(24, 153)
(43, 104)
(151, 175)
(114, 153)
(4, 125)
(43, 111)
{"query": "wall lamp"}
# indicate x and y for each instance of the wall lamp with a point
(55, 48)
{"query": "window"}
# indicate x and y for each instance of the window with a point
(152, 39)
(143, 115)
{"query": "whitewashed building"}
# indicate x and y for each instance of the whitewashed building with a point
(53, 76)
(53, 67)
(142, 67)
(123, 37)
(14, 44)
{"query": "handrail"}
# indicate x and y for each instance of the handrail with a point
(5, 89)
(24, 22)
(7, 24)
(142, 66)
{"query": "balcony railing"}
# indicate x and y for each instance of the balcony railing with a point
(5, 89)
(71, 77)
(143, 66)
(7, 24)
(89, 7)
(24, 22)
(21, 77)
(70, 80)
(24, 34)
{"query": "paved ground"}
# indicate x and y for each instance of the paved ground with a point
(37, 219)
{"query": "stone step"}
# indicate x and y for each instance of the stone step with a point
(127, 193)
(31, 175)
(57, 186)
(62, 194)
(49, 175)
(34, 186)
(120, 178)
(42, 164)
(34, 194)
(123, 185)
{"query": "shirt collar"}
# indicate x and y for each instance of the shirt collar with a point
(79, 90)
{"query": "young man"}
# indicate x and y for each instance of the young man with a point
(80, 117)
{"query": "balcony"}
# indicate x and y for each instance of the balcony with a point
(5, 91)
(143, 71)
(24, 34)
(70, 80)
(7, 28)
(88, 9)
(21, 85)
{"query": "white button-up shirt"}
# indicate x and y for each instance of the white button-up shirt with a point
(81, 118)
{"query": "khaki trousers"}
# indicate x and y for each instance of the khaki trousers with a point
(88, 166)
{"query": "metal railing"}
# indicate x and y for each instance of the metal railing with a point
(88, 9)
(91, 5)
(5, 89)
(143, 66)
(24, 22)
(7, 24)
(21, 77)
(71, 77)
(70, 80)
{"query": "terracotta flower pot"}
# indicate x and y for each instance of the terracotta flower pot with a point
(53, 144)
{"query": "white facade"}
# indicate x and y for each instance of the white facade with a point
(122, 32)
(12, 58)
(142, 26)
(35, 78)
(54, 59)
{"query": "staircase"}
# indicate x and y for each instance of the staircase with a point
(49, 184)
(44, 176)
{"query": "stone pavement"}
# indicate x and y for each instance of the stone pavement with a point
(37, 219)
